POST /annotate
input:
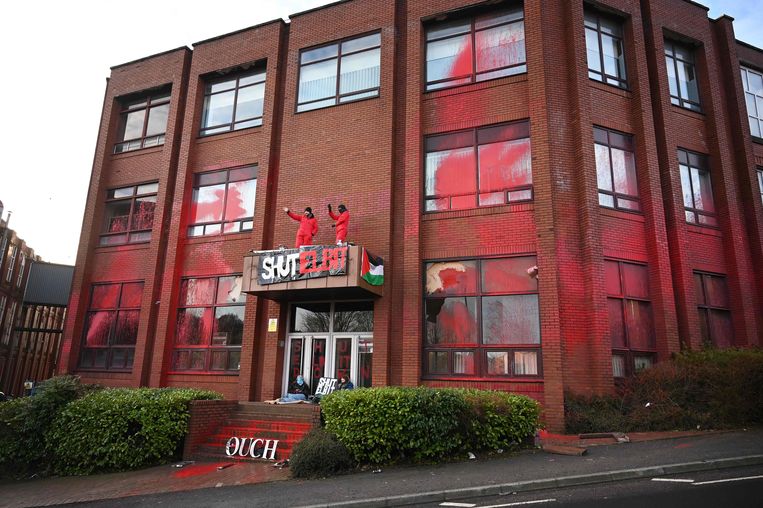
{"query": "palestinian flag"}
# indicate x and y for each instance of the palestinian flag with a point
(372, 269)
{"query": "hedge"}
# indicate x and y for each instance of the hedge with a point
(711, 389)
(320, 454)
(387, 425)
(121, 429)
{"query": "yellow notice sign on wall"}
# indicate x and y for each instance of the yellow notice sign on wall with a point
(272, 325)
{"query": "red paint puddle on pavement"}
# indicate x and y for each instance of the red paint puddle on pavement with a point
(198, 469)
(684, 445)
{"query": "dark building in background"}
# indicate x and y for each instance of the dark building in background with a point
(563, 192)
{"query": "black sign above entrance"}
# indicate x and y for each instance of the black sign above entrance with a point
(308, 262)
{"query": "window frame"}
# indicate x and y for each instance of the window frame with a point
(757, 100)
(337, 97)
(617, 196)
(619, 81)
(258, 68)
(474, 131)
(678, 100)
(472, 77)
(22, 266)
(110, 347)
(195, 186)
(150, 100)
(704, 309)
(697, 212)
(759, 173)
(129, 231)
(479, 349)
(11, 258)
(10, 321)
(208, 347)
(629, 352)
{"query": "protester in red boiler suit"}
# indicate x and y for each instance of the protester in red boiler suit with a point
(308, 226)
(342, 223)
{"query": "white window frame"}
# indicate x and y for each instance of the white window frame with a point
(753, 98)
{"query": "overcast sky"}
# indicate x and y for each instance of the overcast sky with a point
(55, 58)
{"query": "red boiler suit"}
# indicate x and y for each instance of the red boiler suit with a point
(307, 229)
(342, 223)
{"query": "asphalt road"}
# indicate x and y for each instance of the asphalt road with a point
(733, 488)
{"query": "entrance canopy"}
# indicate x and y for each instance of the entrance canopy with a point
(316, 272)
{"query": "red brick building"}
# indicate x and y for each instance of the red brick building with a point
(562, 193)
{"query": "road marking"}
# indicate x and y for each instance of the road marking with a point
(521, 503)
(730, 480)
(676, 480)
(463, 505)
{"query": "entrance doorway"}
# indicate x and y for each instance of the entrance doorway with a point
(330, 339)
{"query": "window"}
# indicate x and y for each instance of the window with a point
(631, 325)
(481, 318)
(682, 75)
(752, 82)
(210, 324)
(22, 266)
(760, 182)
(697, 191)
(129, 214)
(3, 299)
(713, 308)
(111, 326)
(9, 322)
(234, 102)
(143, 122)
(478, 167)
(341, 72)
(12, 253)
(223, 201)
(479, 48)
(604, 44)
(616, 170)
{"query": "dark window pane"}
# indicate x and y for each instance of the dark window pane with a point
(365, 363)
(639, 324)
(98, 328)
(212, 178)
(219, 359)
(229, 326)
(450, 141)
(510, 319)
(618, 366)
(198, 359)
(197, 291)
(508, 275)
(310, 317)
(612, 278)
(182, 360)
(126, 332)
(353, 317)
(721, 328)
(636, 280)
(451, 278)
(318, 365)
(437, 362)
(451, 321)
(616, 322)
(343, 358)
(105, 296)
(703, 316)
(234, 360)
(463, 363)
(194, 326)
(295, 359)
(717, 294)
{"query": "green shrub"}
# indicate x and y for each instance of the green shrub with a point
(121, 429)
(320, 454)
(387, 425)
(24, 422)
(705, 389)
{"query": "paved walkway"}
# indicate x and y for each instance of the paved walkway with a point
(250, 484)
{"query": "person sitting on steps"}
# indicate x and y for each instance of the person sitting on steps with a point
(298, 392)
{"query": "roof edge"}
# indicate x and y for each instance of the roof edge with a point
(131, 62)
(308, 11)
(211, 39)
(748, 45)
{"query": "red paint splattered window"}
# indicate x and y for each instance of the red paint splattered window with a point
(340, 72)
(616, 170)
(697, 189)
(143, 122)
(467, 50)
(234, 102)
(682, 75)
(223, 202)
(482, 318)
(210, 325)
(604, 45)
(478, 167)
(111, 326)
(129, 214)
(752, 82)
(631, 325)
(713, 308)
